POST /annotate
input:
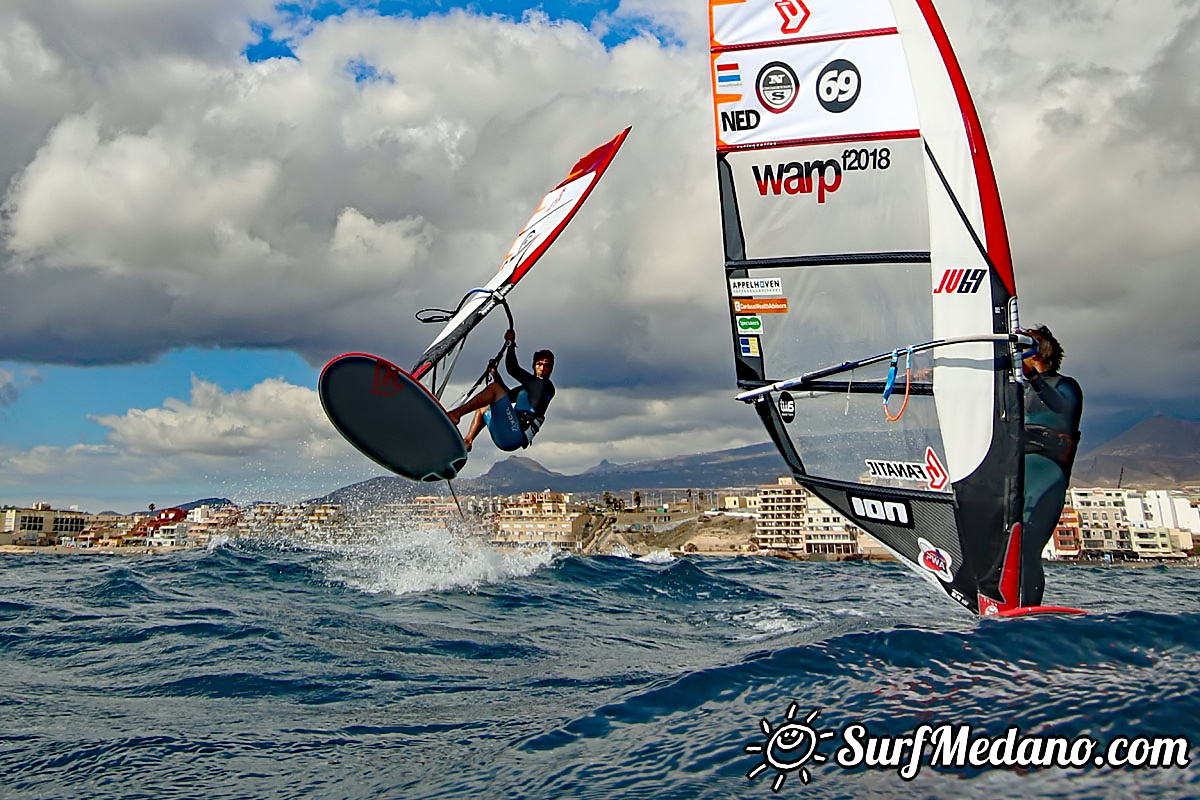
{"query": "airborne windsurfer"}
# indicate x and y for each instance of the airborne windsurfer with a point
(512, 416)
(1053, 406)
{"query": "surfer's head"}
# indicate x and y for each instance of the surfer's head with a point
(543, 363)
(1049, 351)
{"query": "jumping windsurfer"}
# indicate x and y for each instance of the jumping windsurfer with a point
(512, 416)
(1053, 406)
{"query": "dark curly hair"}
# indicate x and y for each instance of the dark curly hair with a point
(1049, 350)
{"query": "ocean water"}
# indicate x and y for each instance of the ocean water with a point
(420, 664)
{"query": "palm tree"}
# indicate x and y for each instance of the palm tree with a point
(637, 500)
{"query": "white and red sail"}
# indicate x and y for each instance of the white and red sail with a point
(863, 232)
(552, 214)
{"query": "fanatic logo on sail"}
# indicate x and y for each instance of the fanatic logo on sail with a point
(931, 473)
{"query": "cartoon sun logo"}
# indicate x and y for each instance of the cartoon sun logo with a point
(789, 747)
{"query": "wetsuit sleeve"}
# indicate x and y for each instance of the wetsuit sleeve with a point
(514, 367)
(1064, 399)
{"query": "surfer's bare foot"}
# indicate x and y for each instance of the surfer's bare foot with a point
(467, 442)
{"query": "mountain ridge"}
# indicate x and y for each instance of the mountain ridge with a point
(1160, 452)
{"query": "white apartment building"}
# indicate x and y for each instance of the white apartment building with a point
(40, 524)
(175, 535)
(781, 511)
(827, 531)
(1162, 508)
(740, 502)
(1158, 523)
(1103, 519)
(1153, 543)
(540, 518)
(790, 518)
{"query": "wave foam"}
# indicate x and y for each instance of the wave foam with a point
(404, 559)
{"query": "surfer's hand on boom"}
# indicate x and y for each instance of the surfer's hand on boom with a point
(510, 336)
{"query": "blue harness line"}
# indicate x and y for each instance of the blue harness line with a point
(891, 382)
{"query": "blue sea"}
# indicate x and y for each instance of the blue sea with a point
(418, 663)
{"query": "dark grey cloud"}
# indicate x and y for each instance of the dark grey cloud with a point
(160, 192)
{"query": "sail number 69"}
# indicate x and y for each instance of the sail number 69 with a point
(838, 86)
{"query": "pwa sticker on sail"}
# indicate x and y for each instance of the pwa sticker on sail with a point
(935, 560)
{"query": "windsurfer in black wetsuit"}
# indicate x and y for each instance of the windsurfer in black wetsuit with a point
(1053, 406)
(512, 416)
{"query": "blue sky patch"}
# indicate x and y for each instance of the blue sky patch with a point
(267, 46)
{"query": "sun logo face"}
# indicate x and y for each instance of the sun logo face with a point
(789, 747)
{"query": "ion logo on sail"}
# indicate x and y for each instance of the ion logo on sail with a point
(777, 87)
(935, 560)
(893, 512)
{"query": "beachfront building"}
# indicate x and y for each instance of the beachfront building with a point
(1066, 542)
(826, 531)
(1162, 508)
(740, 502)
(537, 518)
(40, 525)
(1182, 540)
(1154, 543)
(173, 534)
(206, 521)
(1103, 522)
(781, 509)
(433, 510)
(791, 519)
(1125, 523)
(259, 518)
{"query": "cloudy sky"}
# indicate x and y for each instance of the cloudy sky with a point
(203, 201)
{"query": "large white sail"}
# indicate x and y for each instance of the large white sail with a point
(866, 260)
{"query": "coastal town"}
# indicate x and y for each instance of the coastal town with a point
(780, 518)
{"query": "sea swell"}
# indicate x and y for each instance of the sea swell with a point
(417, 663)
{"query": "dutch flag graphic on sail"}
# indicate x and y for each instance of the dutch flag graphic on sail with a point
(729, 74)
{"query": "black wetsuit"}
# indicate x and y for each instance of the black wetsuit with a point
(1053, 406)
(530, 399)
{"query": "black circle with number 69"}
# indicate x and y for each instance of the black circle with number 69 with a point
(838, 86)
